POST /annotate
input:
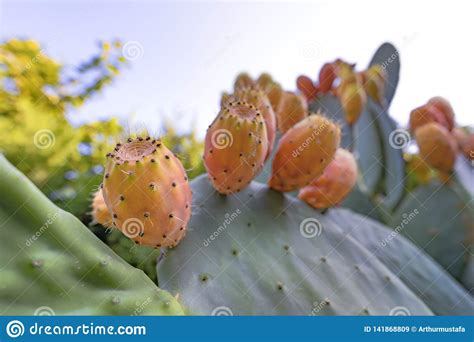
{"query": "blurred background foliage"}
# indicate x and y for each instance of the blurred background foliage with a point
(37, 93)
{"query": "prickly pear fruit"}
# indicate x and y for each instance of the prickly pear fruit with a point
(306, 87)
(327, 76)
(100, 212)
(437, 146)
(374, 83)
(292, 109)
(257, 98)
(334, 184)
(425, 114)
(303, 153)
(272, 89)
(445, 108)
(147, 192)
(243, 80)
(353, 100)
(236, 146)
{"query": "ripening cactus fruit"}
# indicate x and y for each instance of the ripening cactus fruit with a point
(437, 147)
(272, 89)
(100, 212)
(236, 146)
(303, 153)
(327, 76)
(425, 114)
(374, 80)
(353, 100)
(243, 80)
(306, 87)
(334, 184)
(445, 108)
(292, 109)
(147, 192)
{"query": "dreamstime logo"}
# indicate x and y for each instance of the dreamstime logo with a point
(133, 227)
(44, 311)
(406, 219)
(222, 138)
(44, 138)
(311, 50)
(15, 329)
(228, 219)
(222, 311)
(399, 311)
(399, 138)
(310, 227)
(132, 50)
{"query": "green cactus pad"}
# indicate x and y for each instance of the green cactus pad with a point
(442, 226)
(262, 252)
(51, 263)
(430, 282)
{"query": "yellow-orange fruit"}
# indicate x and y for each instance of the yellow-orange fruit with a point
(303, 153)
(374, 83)
(257, 98)
(445, 108)
(272, 89)
(100, 212)
(292, 109)
(468, 146)
(243, 80)
(334, 184)
(236, 146)
(425, 114)
(417, 166)
(147, 192)
(353, 100)
(437, 146)
(327, 76)
(307, 88)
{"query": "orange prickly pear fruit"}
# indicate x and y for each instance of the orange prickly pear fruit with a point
(306, 86)
(272, 89)
(225, 98)
(100, 212)
(437, 146)
(292, 109)
(445, 108)
(327, 76)
(147, 192)
(236, 146)
(303, 153)
(374, 83)
(243, 80)
(353, 100)
(257, 98)
(334, 184)
(425, 114)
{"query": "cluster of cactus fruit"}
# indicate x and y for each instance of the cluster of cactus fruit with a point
(263, 248)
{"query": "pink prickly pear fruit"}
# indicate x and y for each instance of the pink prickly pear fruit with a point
(437, 146)
(374, 83)
(327, 76)
(147, 192)
(292, 109)
(425, 114)
(260, 101)
(306, 87)
(303, 153)
(235, 147)
(272, 89)
(100, 212)
(353, 100)
(445, 108)
(243, 80)
(334, 184)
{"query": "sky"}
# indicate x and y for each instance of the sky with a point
(190, 52)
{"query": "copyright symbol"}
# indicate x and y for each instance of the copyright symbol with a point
(413, 329)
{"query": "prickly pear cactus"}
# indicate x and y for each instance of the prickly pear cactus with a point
(262, 252)
(442, 225)
(51, 262)
(430, 282)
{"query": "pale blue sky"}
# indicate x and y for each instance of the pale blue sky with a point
(193, 50)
